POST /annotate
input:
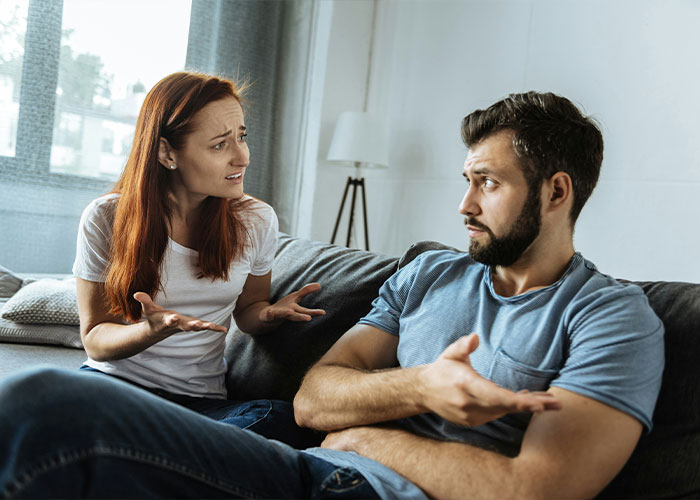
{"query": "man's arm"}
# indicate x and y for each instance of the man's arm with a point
(357, 383)
(569, 454)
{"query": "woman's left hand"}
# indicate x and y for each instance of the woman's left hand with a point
(288, 308)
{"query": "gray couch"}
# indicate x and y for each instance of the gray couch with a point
(665, 464)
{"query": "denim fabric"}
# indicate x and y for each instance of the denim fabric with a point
(67, 434)
(272, 419)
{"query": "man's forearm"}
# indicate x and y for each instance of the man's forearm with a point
(441, 469)
(335, 397)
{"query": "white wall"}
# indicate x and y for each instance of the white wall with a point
(632, 64)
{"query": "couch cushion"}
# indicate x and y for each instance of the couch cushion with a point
(272, 365)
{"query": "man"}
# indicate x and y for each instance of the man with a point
(514, 371)
(545, 317)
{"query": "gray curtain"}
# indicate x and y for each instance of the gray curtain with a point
(265, 42)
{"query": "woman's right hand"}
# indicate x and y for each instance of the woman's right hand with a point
(164, 322)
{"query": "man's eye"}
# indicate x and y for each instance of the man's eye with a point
(241, 138)
(488, 183)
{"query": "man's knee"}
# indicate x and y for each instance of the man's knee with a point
(46, 391)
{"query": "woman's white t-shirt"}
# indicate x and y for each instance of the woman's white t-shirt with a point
(190, 363)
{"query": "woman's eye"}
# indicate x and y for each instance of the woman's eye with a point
(241, 138)
(220, 145)
(488, 183)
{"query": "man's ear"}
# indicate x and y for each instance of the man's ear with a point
(166, 155)
(559, 190)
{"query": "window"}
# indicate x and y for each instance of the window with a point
(73, 74)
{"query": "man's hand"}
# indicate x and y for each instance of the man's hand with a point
(451, 388)
(352, 438)
(163, 322)
(288, 308)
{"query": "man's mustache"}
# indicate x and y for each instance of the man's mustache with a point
(474, 223)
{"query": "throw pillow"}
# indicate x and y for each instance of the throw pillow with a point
(19, 333)
(45, 301)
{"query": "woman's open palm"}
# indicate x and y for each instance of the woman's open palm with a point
(164, 322)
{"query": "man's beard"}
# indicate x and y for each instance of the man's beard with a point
(507, 249)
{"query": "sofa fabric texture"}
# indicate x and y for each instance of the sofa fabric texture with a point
(271, 365)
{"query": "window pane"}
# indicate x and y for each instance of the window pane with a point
(112, 53)
(13, 26)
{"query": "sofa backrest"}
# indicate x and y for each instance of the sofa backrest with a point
(272, 365)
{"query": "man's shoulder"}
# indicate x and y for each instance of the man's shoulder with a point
(427, 257)
(600, 294)
(599, 284)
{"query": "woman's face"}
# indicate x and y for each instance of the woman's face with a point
(215, 155)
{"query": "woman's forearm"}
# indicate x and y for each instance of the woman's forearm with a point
(108, 341)
(249, 320)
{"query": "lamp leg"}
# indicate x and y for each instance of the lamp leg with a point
(355, 182)
(364, 212)
(340, 210)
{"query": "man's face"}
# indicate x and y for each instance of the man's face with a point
(502, 213)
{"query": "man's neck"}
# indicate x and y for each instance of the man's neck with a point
(536, 268)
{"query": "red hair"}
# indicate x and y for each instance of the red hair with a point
(142, 216)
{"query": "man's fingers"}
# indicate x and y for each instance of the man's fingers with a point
(461, 348)
(536, 401)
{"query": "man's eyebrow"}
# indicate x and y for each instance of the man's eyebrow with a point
(481, 171)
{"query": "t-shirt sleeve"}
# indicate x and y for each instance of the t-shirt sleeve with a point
(616, 353)
(93, 245)
(389, 305)
(264, 241)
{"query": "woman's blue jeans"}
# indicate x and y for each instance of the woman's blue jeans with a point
(66, 434)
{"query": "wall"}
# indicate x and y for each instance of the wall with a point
(629, 63)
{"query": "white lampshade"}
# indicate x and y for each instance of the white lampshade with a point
(360, 138)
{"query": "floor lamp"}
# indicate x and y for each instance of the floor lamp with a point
(360, 140)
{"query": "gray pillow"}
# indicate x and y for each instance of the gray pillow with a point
(64, 335)
(46, 302)
(9, 282)
(272, 365)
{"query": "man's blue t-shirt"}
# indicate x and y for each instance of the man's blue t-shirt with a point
(586, 333)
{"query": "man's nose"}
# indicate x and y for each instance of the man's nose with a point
(469, 205)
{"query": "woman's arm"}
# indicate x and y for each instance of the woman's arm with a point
(254, 314)
(106, 337)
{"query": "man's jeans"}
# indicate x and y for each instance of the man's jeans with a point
(67, 434)
(270, 418)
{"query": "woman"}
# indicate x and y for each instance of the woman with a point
(176, 249)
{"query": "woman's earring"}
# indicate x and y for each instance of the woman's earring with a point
(172, 167)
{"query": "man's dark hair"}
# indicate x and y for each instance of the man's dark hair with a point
(550, 135)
